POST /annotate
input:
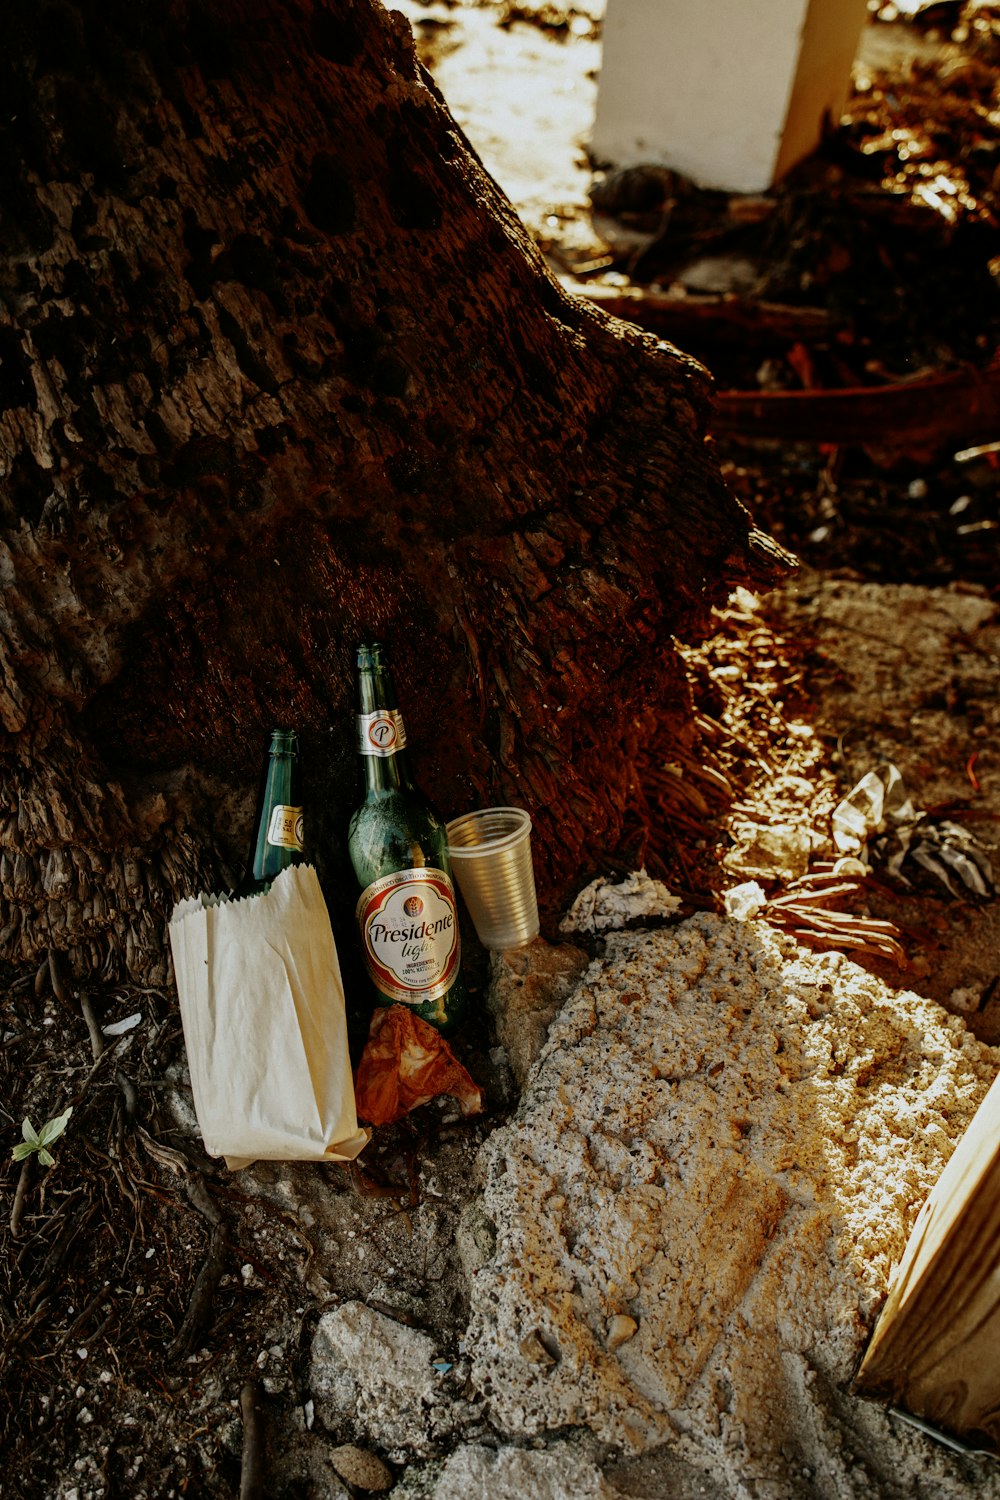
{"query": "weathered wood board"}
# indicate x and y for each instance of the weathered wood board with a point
(936, 1348)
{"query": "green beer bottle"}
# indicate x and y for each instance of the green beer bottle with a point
(278, 841)
(399, 849)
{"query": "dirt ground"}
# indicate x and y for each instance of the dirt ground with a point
(144, 1290)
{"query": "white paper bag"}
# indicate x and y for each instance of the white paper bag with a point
(262, 1004)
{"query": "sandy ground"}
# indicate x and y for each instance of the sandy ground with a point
(525, 97)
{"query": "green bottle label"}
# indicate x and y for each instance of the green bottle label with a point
(381, 733)
(285, 830)
(409, 932)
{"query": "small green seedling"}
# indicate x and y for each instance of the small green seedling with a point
(41, 1140)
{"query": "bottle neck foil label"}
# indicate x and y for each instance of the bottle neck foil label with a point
(286, 827)
(409, 932)
(381, 733)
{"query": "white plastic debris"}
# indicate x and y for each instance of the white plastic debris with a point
(745, 901)
(877, 823)
(604, 907)
(946, 849)
(118, 1028)
(744, 601)
(878, 799)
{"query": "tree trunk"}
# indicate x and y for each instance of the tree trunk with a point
(279, 367)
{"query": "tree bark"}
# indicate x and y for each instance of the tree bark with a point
(279, 367)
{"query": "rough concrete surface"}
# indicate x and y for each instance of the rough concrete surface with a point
(390, 1377)
(726, 1141)
(527, 987)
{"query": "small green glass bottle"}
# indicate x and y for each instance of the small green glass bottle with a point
(278, 840)
(398, 846)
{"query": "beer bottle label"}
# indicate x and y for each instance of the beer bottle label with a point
(409, 932)
(381, 733)
(285, 829)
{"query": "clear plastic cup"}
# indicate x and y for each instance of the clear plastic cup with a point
(490, 852)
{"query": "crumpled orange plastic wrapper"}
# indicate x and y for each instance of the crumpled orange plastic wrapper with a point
(407, 1063)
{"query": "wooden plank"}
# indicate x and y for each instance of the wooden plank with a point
(919, 417)
(935, 1351)
(708, 319)
(955, 407)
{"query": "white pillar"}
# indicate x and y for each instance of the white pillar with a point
(729, 92)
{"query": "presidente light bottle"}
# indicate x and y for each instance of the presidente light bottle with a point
(278, 840)
(398, 846)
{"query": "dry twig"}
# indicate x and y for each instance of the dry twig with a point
(199, 1310)
(20, 1194)
(802, 913)
(252, 1473)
